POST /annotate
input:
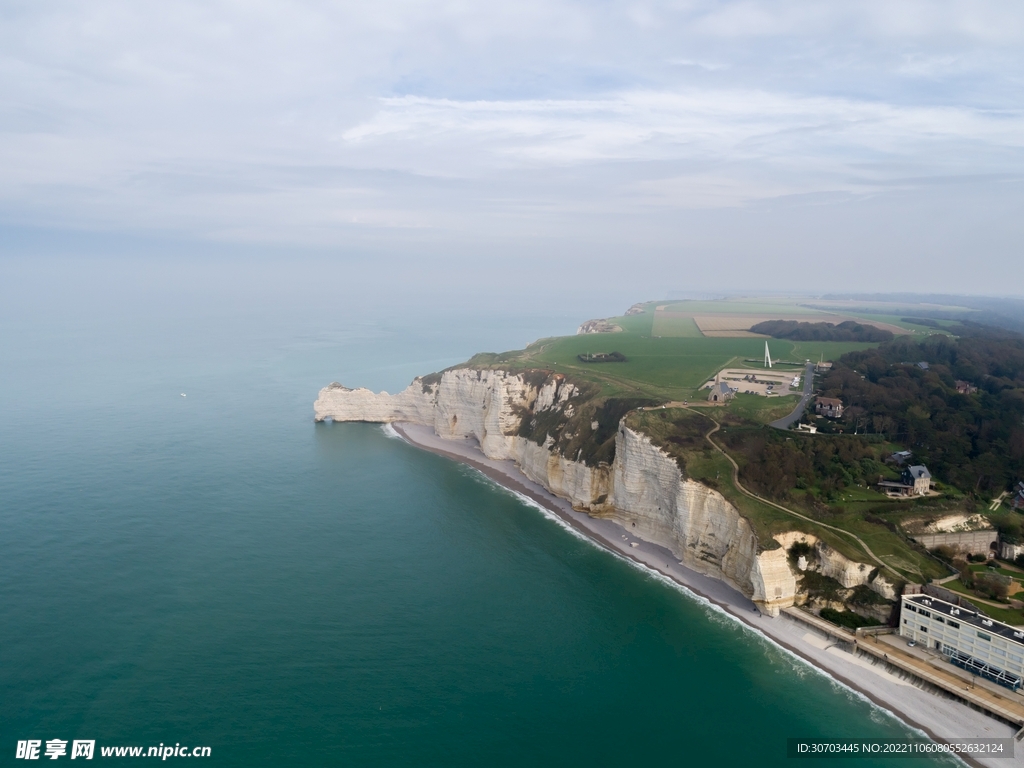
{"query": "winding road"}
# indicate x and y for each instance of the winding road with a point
(787, 421)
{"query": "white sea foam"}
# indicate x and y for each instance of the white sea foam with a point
(390, 431)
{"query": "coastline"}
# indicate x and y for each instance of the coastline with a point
(940, 718)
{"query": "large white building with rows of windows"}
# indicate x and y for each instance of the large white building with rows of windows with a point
(970, 640)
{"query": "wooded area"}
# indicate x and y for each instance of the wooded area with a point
(972, 441)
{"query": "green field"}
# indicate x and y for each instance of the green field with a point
(665, 369)
(678, 327)
(662, 368)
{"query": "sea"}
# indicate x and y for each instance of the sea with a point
(188, 560)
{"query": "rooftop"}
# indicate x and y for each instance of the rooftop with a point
(965, 616)
(919, 472)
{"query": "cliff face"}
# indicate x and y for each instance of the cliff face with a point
(828, 562)
(641, 487)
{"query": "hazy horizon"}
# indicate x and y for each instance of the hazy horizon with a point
(541, 153)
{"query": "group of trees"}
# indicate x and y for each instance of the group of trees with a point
(775, 465)
(972, 441)
(846, 331)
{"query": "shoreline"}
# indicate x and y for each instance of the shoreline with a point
(924, 711)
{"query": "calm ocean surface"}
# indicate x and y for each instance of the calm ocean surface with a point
(218, 570)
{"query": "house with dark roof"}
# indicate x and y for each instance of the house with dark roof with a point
(919, 479)
(829, 407)
(916, 481)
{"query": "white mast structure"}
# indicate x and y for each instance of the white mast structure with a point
(767, 356)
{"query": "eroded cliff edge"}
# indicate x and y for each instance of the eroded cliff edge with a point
(585, 453)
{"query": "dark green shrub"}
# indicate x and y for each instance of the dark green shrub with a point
(847, 619)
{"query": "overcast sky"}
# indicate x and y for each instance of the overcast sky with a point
(624, 148)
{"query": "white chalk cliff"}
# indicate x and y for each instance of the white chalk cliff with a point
(643, 486)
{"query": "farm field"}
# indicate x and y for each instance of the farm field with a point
(667, 367)
(668, 324)
(734, 316)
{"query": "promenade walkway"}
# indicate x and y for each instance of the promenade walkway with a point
(892, 649)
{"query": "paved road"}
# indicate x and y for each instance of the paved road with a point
(788, 421)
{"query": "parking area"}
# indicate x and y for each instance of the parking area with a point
(767, 382)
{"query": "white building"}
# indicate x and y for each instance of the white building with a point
(981, 645)
(919, 477)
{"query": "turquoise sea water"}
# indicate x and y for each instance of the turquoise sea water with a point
(218, 570)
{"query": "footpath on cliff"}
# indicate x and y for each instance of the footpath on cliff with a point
(943, 719)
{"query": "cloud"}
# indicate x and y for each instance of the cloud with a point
(322, 123)
(716, 125)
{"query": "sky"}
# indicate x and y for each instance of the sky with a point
(535, 151)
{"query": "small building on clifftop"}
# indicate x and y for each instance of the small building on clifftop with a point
(720, 392)
(829, 407)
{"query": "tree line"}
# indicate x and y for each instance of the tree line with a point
(845, 331)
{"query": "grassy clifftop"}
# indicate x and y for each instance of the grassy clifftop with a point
(821, 482)
(872, 517)
(657, 367)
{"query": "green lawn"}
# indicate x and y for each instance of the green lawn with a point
(891, 548)
(1006, 615)
(982, 568)
(762, 410)
(638, 324)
